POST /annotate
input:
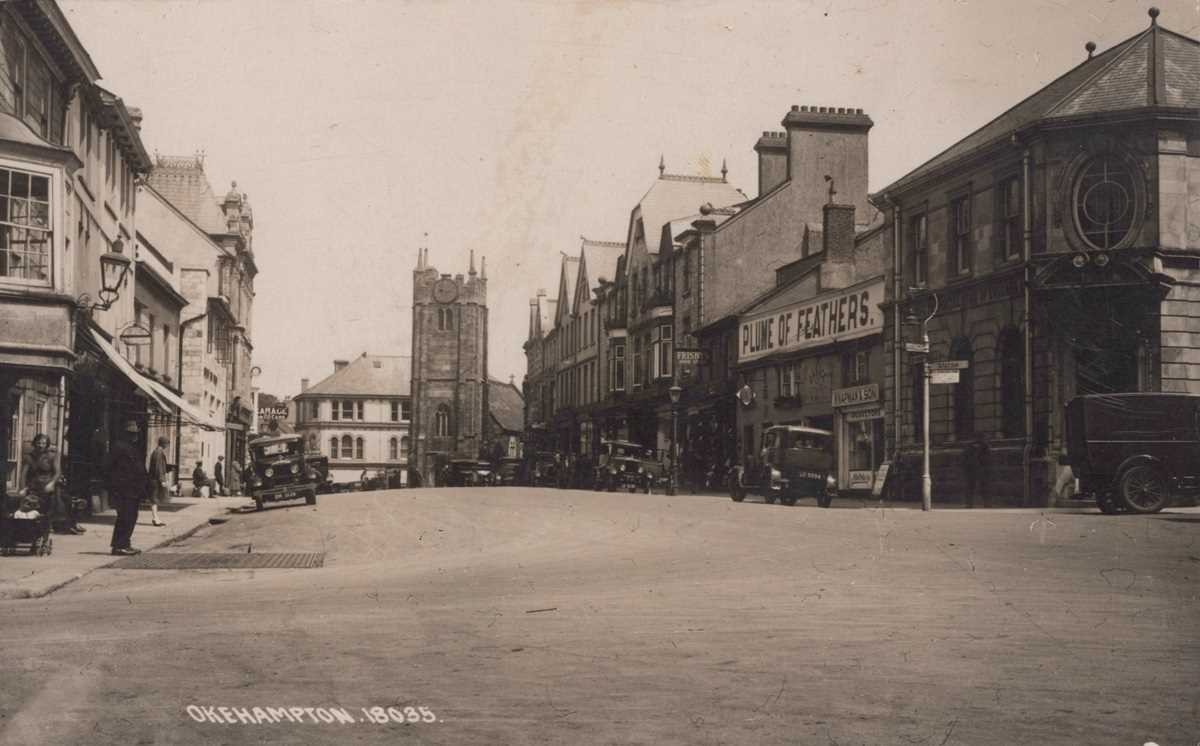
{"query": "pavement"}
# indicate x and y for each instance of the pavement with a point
(73, 556)
(537, 616)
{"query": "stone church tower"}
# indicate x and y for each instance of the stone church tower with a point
(449, 366)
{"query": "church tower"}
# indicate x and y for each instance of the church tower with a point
(449, 366)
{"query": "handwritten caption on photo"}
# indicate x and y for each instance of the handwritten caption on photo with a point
(310, 715)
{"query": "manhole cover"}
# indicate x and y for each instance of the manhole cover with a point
(219, 561)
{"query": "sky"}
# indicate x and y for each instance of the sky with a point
(356, 127)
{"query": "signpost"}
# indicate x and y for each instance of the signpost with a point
(943, 376)
(948, 365)
(921, 348)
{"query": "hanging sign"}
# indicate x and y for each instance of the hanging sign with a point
(832, 317)
(135, 335)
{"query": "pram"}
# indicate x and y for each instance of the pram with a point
(25, 522)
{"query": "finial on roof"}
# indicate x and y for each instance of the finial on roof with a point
(1091, 48)
(724, 170)
(832, 190)
(662, 165)
(706, 208)
(1153, 12)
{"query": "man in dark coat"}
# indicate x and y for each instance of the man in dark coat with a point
(127, 483)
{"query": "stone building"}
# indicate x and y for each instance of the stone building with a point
(359, 416)
(1059, 254)
(449, 367)
(209, 241)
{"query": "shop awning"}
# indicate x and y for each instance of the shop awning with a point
(159, 394)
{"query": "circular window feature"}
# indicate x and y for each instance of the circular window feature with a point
(1104, 202)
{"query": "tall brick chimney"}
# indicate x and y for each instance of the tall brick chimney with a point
(772, 149)
(838, 227)
(339, 364)
(303, 385)
(827, 141)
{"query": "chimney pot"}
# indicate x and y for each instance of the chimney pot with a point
(802, 108)
(795, 108)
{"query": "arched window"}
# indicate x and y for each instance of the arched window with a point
(1010, 356)
(1104, 202)
(918, 400)
(358, 449)
(347, 447)
(445, 319)
(393, 449)
(404, 448)
(441, 421)
(333, 447)
(964, 390)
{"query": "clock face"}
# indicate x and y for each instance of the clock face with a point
(445, 291)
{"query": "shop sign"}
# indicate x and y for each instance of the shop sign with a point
(856, 395)
(685, 355)
(277, 412)
(861, 479)
(862, 415)
(843, 315)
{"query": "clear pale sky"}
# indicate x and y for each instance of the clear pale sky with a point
(514, 128)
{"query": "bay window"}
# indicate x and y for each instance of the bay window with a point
(25, 236)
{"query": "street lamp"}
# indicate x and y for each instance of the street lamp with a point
(114, 266)
(675, 392)
(912, 320)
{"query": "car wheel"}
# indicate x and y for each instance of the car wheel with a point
(258, 503)
(788, 500)
(1144, 489)
(769, 498)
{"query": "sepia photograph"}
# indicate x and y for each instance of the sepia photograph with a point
(600, 372)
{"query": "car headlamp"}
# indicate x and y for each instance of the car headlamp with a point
(270, 472)
(295, 468)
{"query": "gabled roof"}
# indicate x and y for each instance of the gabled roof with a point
(183, 183)
(672, 196)
(367, 375)
(506, 405)
(599, 261)
(1155, 68)
(568, 276)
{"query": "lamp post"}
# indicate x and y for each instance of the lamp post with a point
(114, 266)
(926, 477)
(675, 392)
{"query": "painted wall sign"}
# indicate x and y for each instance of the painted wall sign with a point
(846, 314)
(856, 395)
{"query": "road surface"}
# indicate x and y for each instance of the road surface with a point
(516, 615)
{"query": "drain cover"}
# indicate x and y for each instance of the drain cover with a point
(219, 561)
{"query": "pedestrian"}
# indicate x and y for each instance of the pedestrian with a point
(127, 480)
(40, 476)
(975, 467)
(219, 475)
(159, 477)
(200, 482)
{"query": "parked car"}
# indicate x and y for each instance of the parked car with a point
(468, 473)
(1133, 452)
(544, 469)
(508, 471)
(624, 464)
(281, 471)
(794, 462)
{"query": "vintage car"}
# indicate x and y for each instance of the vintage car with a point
(468, 473)
(626, 465)
(281, 470)
(795, 461)
(1132, 452)
(543, 469)
(508, 471)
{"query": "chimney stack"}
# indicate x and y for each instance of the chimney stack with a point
(827, 140)
(838, 228)
(772, 149)
(339, 364)
(303, 385)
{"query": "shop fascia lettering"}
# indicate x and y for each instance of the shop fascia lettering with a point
(846, 314)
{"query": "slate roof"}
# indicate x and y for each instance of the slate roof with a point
(672, 196)
(367, 375)
(506, 405)
(183, 183)
(1154, 68)
(600, 258)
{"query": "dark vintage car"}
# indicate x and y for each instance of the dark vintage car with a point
(280, 470)
(468, 473)
(626, 465)
(544, 469)
(508, 471)
(795, 461)
(1132, 452)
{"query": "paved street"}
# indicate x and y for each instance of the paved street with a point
(539, 616)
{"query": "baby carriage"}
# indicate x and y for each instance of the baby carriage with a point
(25, 522)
